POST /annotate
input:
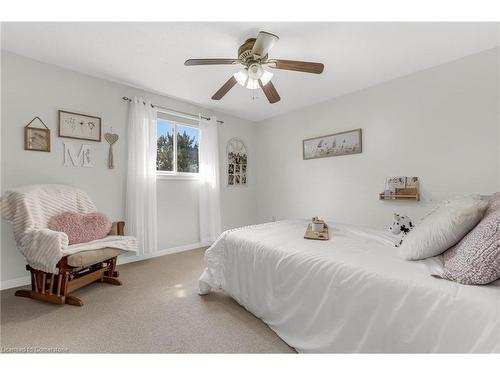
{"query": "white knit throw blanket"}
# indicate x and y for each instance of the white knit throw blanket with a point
(29, 209)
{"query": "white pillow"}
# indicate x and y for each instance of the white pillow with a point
(442, 228)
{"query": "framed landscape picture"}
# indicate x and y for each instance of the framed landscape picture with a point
(343, 143)
(79, 126)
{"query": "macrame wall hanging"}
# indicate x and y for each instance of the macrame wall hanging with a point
(111, 138)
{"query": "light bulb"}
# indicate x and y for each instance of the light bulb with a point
(266, 77)
(252, 84)
(249, 77)
(255, 71)
(241, 77)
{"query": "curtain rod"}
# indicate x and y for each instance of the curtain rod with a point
(174, 112)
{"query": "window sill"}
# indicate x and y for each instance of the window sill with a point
(177, 176)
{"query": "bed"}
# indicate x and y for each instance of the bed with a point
(351, 293)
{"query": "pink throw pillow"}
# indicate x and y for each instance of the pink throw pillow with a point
(81, 227)
(475, 260)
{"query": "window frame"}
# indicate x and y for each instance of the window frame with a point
(175, 175)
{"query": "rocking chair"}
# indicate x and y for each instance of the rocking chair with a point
(34, 205)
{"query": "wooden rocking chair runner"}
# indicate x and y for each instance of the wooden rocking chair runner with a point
(52, 288)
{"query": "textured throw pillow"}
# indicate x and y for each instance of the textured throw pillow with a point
(494, 203)
(476, 259)
(442, 228)
(81, 227)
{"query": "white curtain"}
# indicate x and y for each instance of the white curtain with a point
(140, 211)
(209, 193)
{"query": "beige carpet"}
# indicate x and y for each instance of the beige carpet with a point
(157, 310)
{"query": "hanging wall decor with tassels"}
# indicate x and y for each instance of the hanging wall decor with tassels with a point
(111, 138)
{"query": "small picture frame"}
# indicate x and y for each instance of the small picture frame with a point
(36, 139)
(395, 182)
(79, 126)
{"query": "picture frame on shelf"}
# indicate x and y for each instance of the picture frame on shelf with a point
(401, 188)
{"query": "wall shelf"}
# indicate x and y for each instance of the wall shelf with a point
(401, 188)
(400, 197)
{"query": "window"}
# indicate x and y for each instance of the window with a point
(187, 149)
(177, 146)
(164, 145)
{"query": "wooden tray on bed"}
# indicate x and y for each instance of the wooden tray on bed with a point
(322, 236)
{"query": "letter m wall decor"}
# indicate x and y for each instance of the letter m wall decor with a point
(83, 158)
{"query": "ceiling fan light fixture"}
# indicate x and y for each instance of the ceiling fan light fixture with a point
(245, 79)
(254, 56)
(241, 77)
(255, 71)
(266, 77)
(252, 84)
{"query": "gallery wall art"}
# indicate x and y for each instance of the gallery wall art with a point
(81, 158)
(79, 126)
(343, 143)
(36, 137)
(237, 163)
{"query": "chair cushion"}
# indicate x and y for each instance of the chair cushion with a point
(90, 257)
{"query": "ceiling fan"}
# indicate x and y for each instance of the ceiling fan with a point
(253, 55)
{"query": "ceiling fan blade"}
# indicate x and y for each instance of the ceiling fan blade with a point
(299, 66)
(265, 41)
(211, 62)
(225, 88)
(270, 91)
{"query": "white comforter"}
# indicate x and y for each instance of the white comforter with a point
(351, 293)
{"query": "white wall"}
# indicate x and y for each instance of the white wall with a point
(30, 88)
(440, 124)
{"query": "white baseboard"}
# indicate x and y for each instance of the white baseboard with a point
(20, 281)
(159, 253)
(14, 283)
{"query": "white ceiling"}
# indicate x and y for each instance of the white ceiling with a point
(151, 56)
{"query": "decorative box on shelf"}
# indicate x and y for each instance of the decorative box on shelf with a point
(401, 188)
